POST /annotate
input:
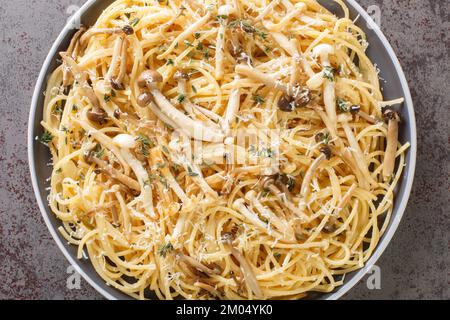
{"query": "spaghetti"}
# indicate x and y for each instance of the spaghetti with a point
(229, 150)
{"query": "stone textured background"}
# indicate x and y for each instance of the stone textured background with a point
(416, 263)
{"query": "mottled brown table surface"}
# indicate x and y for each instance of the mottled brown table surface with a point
(416, 263)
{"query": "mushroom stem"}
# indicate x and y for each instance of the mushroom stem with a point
(357, 152)
(347, 157)
(367, 117)
(144, 180)
(295, 75)
(284, 196)
(71, 52)
(305, 189)
(208, 113)
(119, 57)
(232, 109)
(108, 169)
(219, 72)
(169, 23)
(323, 51)
(191, 108)
(75, 40)
(345, 198)
(193, 128)
(190, 127)
(288, 45)
(263, 78)
(115, 59)
(97, 114)
(157, 156)
(392, 143)
(251, 216)
(196, 264)
(247, 271)
(280, 224)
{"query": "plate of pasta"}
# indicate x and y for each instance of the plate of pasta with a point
(227, 149)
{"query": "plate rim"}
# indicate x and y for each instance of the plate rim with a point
(340, 291)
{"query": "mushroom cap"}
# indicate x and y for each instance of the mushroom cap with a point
(250, 195)
(144, 99)
(354, 109)
(89, 157)
(302, 97)
(128, 30)
(117, 85)
(125, 141)
(323, 50)
(181, 75)
(225, 10)
(97, 115)
(326, 150)
(319, 137)
(148, 77)
(117, 113)
(286, 104)
(267, 181)
(390, 114)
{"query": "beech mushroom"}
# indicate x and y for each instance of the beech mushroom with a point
(323, 51)
(393, 119)
(96, 114)
(127, 142)
(196, 264)
(294, 97)
(356, 149)
(240, 206)
(232, 110)
(109, 170)
(144, 99)
(325, 154)
(246, 270)
(157, 156)
(282, 226)
(148, 79)
(209, 288)
(119, 56)
(300, 98)
(182, 78)
(72, 52)
(262, 77)
(278, 185)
